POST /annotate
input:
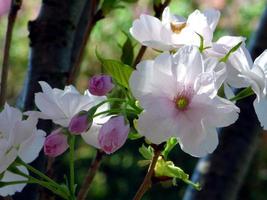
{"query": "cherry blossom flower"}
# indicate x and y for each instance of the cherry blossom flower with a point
(18, 138)
(113, 134)
(220, 48)
(62, 105)
(179, 98)
(255, 76)
(175, 31)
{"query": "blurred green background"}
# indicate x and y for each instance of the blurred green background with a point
(119, 176)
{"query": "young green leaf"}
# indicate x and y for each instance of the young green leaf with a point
(171, 143)
(147, 153)
(119, 71)
(225, 58)
(243, 94)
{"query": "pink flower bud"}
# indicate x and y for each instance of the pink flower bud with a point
(56, 143)
(113, 134)
(4, 7)
(100, 85)
(79, 124)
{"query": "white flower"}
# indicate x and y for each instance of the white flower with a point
(178, 94)
(61, 105)
(220, 48)
(18, 138)
(175, 31)
(254, 75)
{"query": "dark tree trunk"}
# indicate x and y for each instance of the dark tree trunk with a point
(52, 41)
(222, 173)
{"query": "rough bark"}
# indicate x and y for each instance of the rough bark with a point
(52, 37)
(223, 172)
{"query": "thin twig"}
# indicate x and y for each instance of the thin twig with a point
(15, 6)
(140, 55)
(94, 18)
(147, 180)
(90, 176)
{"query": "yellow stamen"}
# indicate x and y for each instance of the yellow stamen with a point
(177, 28)
(182, 103)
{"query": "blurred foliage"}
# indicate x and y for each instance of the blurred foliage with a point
(119, 176)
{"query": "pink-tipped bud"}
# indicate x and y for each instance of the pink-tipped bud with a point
(56, 143)
(79, 124)
(4, 7)
(100, 85)
(113, 134)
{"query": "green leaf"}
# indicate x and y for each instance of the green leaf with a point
(146, 152)
(119, 71)
(127, 51)
(167, 168)
(171, 143)
(225, 58)
(143, 163)
(243, 94)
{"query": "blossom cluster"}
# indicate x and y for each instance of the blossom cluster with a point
(178, 90)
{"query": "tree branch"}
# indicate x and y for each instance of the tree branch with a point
(90, 176)
(15, 6)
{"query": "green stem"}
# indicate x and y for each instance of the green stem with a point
(39, 173)
(115, 111)
(72, 173)
(55, 189)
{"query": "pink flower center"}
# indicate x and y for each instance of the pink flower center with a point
(183, 98)
(182, 103)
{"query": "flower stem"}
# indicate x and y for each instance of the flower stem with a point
(57, 189)
(90, 176)
(40, 174)
(72, 173)
(15, 6)
(147, 180)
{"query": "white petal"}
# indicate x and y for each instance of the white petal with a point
(23, 130)
(7, 159)
(160, 120)
(91, 136)
(8, 118)
(10, 177)
(188, 58)
(217, 112)
(261, 61)
(228, 91)
(197, 22)
(213, 17)
(190, 143)
(260, 109)
(149, 76)
(148, 28)
(30, 149)
(230, 41)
